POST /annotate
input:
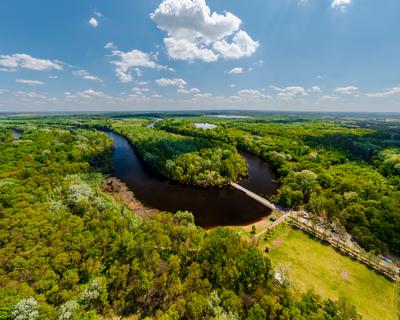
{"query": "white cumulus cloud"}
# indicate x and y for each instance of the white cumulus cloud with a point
(203, 95)
(132, 60)
(30, 94)
(89, 94)
(182, 49)
(188, 91)
(138, 92)
(386, 93)
(164, 82)
(315, 89)
(86, 94)
(25, 61)
(346, 90)
(93, 22)
(340, 4)
(240, 46)
(196, 33)
(110, 45)
(30, 82)
(86, 75)
(290, 92)
(252, 94)
(236, 70)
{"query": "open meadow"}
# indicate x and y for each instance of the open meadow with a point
(313, 265)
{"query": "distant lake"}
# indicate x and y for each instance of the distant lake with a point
(16, 135)
(205, 125)
(211, 207)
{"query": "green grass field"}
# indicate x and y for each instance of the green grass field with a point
(312, 265)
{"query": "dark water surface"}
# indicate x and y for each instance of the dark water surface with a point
(260, 178)
(211, 207)
(15, 135)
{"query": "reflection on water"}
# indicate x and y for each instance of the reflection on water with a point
(260, 178)
(211, 207)
(15, 135)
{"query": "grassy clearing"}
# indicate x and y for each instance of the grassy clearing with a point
(313, 265)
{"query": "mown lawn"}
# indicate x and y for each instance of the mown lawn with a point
(312, 265)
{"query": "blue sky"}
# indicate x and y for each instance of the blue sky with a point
(328, 55)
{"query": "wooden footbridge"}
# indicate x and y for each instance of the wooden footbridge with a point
(259, 199)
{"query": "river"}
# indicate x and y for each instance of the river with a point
(211, 207)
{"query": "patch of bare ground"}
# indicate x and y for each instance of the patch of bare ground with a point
(345, 275)
(277, 242)
(121, 193)
(259, 225)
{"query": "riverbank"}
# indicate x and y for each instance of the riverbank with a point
(211, 207)
(124, 195)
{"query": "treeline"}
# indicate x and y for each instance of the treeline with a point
(5, 135)
(70, 251)
(357, 184)
(192, 161)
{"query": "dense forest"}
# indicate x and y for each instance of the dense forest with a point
(5, 135)
(345, 172)
(193, 161)
(70, 251)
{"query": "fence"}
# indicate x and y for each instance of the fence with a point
(388, 273)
